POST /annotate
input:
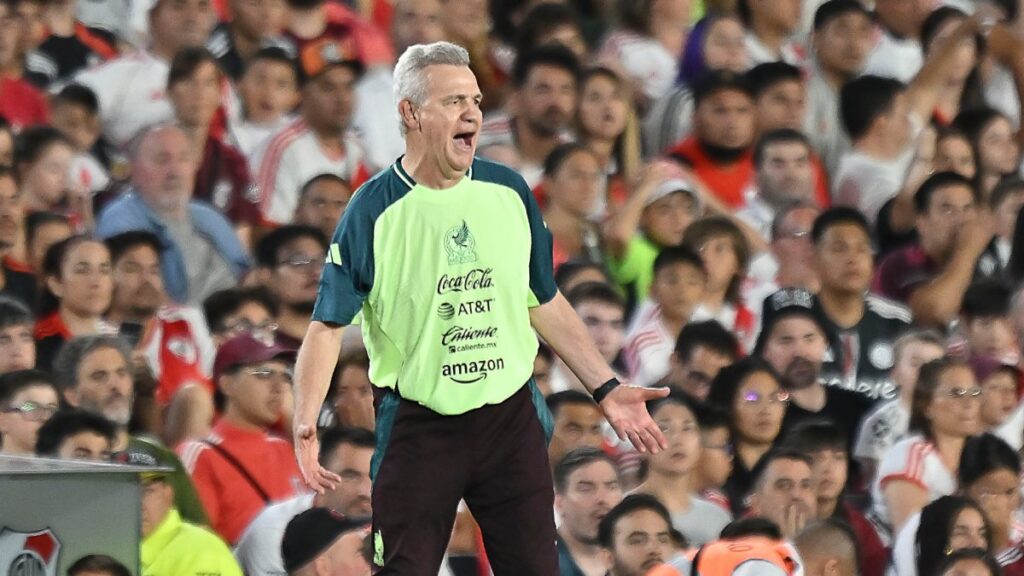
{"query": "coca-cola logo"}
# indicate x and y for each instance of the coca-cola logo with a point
(475, 279)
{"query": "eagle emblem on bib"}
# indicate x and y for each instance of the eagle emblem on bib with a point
(460, 245)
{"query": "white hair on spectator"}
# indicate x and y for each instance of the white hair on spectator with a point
(410, 71)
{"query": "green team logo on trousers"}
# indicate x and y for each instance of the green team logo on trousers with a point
(378, 548)
(460, 245)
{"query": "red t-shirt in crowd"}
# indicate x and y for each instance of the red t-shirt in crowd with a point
(373, 46)
(727, 181)
(22, 104)
(223, 179)
(230, 498)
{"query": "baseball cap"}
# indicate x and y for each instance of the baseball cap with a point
(985, 366)
(673, 185)
(786, 303)
(247, 349)
(147, 455)
(312, 532)
(317, 57)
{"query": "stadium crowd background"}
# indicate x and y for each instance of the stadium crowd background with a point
(799, 215)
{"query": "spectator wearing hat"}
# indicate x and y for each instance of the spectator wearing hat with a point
(655, 215)
(240, 467)
(169, 544)
(344, 451)
(290, 259)
(202, 253)
(27, 400)
(94, 373)
(132, 88)
(723, 122)
(861, 327)
(932, 275)
(322, 542)
(793, 342)
(320, 140)
(194, 86)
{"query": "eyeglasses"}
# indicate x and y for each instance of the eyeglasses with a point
(32, 411)
(267, 374)
(797, 234)
(754, 398)
(247, 326)
(960, 393)
(300, 261)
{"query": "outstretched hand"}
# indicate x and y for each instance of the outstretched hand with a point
(626, 410)
(307, 452)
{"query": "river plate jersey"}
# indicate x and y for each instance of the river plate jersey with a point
(444, 280)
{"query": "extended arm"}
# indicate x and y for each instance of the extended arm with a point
(624, 407)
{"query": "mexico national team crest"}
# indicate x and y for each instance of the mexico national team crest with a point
(460, 245)
(28, 553)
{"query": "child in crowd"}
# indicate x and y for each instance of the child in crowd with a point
(680, 279)
(269, 90)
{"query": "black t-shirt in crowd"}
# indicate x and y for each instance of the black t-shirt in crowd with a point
(860, 358)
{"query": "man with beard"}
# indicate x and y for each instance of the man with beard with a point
(290, 260)
(173, 339)
(16, 277)
(636, 536)
(586, 489)
(544, 99)
(344, 451)
(94, 373)
(719, 152)
(793, 342)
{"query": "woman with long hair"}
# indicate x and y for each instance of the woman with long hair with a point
(945, 411)
(944, 526)
(750, 392)
(78, 286)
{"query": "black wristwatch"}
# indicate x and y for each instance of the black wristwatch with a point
(605, 389)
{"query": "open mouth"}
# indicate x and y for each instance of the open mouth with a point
(464, 140)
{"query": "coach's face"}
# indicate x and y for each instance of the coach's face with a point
(449, 118)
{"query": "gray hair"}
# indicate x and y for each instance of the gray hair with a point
(74, 351)
(410, 77)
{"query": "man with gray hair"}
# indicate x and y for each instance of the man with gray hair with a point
(449, 317)
(94, 373)
(202, 253)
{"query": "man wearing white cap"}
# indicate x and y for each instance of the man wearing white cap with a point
(132, 88)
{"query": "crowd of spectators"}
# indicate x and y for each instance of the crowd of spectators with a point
(801, 216)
